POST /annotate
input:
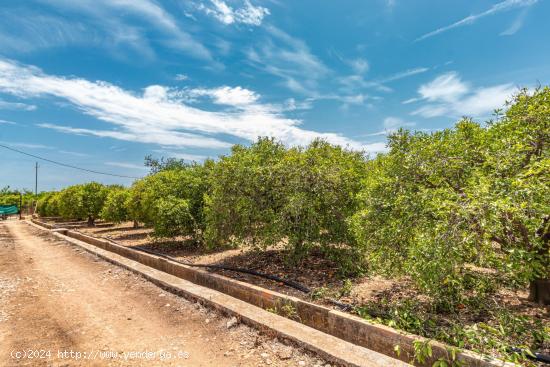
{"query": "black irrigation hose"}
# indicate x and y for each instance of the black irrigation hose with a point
(291, 283)
(288, 282)
(539, 357)
(342, 305)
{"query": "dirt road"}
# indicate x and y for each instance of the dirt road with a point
(56, 299)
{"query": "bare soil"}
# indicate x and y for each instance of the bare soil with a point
(55, 299)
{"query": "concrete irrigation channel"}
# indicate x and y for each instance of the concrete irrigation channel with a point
(336, 336)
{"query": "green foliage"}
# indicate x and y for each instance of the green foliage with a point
(405, 315)
(115, 208)
(319, 194)
(48, 205)
(495, 335)
(346, 289)
(286, 309)
(92, 198)
(439, 206)
(460, 211)
(245, 196)
(264, 195)
(171, 201)
(9, 199)
(516, 186)
(417, 217)
(70, 202)
(319, 293)
(173, 217)
(75, 202)
(422, 351)
(164, 164)
(137, 211)
(17, 198)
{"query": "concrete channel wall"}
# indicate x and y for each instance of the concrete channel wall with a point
(348, 327)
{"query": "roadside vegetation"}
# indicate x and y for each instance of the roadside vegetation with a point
(460, 216)
(22, 199)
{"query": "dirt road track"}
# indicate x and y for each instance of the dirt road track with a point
(56, 298)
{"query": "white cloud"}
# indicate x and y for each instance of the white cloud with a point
(376, 147)
(155, 116)
(486, 100)
(292, 105)
(181, 77)
(354, 82)
(497, 8)
(429, 111)
(220, 11)
(247, 14)
(250, 14)
(447, 87)
(295, 86)
(302, 71)
(403, 74)
(25, 145)
(347, 100)
(127, 165)
(449, 95)
(184, 156)
(290, 59)
(156, 93)
(7, 122)
(236, 96)
(516, 24)
(5, 105)
(353, 99)
(393, 123)
(379, 133)
(111, 15)
(144, 134)
(40, 31)
(76, 154)
(360, 66)
(411, 100)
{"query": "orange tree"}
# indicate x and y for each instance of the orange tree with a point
(265, 194)
(442, 206)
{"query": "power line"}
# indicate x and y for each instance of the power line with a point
(67, 165)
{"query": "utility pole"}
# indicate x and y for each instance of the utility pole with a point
(35, 201)
(36, 179)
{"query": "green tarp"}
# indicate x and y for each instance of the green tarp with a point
(8, 209)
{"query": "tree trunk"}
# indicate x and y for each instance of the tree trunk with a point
(91, 221)
(136, 224)
(539, 291)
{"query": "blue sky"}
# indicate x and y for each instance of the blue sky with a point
(102, 83)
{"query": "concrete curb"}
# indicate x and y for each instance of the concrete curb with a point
(344, 326)
(327, 346)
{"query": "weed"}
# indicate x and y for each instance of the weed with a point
(346, 289)
(319, 293)
(286, 309)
